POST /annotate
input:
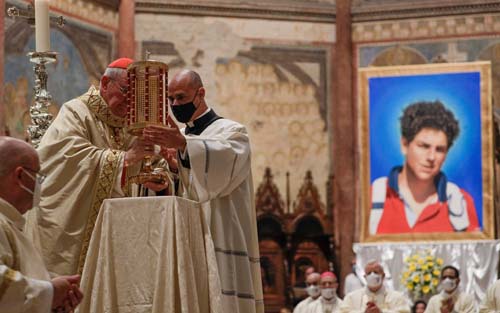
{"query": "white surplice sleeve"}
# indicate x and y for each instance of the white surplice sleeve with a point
(219, 162)
(18, 293)
(491, 302)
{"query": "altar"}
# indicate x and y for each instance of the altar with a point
(151, 254)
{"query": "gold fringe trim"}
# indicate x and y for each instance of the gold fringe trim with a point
(104, 187)
(8, 278)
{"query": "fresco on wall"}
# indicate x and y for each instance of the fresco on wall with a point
(284, 109)
(456, 50)
(68, 78)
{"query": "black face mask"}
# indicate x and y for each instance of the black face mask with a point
(184, 112)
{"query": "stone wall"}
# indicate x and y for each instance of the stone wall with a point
(272, 76)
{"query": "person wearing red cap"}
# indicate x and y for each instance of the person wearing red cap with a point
(375, 298)
(87, 156)
(328, 302)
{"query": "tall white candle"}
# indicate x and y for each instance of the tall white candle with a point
(42, 25)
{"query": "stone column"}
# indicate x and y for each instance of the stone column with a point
(126, 30)
(344, 138)
(2, 56)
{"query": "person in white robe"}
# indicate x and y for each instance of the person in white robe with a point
(375, 298)
(313, 291)
(213, 160)
(352, 281)
(25, 285)
(451, 299)
(88, 156)
(328, 302)
(491, 302)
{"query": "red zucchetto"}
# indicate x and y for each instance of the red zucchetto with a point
(121, 63)
(328, 274)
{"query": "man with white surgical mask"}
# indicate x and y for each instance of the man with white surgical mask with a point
(451, 299)
(313, 291)
(375, 298)
(328, 302)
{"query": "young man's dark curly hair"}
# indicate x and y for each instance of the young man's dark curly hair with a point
(428, 114)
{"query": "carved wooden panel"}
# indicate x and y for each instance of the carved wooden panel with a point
(273, 275)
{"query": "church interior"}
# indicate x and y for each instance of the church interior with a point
(292, 72)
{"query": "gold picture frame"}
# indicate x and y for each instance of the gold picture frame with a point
(383, 93)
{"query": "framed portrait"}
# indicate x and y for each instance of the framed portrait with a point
(426, 152)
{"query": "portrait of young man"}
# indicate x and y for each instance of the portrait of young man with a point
(417, 196)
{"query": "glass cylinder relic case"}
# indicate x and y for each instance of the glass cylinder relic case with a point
(146, 106)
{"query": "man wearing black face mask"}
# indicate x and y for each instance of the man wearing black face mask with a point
(212, 157)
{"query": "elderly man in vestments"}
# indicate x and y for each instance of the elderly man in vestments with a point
(25, 285)
(213, 160)
(87, 155)
(328, 302)
(451, 299)
(491, 302)
(375, 298)
(313, 291)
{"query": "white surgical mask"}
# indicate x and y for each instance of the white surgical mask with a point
(373, 280)
(37, 191)
(328, 293)
(313, 291)
(448, 284)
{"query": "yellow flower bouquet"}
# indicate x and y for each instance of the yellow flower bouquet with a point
(421, 275)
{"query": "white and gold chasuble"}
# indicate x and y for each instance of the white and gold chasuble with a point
(220, 178)
(388, 301)
(24, 281)
(491, 302)
(82, 155)
(320, 305)
(463, 302)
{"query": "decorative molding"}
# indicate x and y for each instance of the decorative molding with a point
(310, 11)
(268, 198)
(110, 4)
(94, 12)
(451, 26)
(308, 198)
(379, 10)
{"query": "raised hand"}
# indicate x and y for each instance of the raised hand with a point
(166, 136)
(170, 155)
(67, 293)
(140, 148)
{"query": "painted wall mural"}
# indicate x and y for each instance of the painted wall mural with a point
(453, 50)
(276, 87)
(78, 65)
(283, 115)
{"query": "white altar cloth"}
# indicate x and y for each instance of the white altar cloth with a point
(151, 254)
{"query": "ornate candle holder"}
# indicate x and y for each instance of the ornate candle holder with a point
(39, 111)
(146, 105)
(40, 116)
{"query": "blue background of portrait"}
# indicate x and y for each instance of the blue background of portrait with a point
(460, 93)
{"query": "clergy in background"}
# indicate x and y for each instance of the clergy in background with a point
(213, 161)
(25, 285)
(87, 155)
(451, 298)
(328, 302)
(491, 302)
(375, 298)
(313, 291)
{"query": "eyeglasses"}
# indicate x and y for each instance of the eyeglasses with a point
(39, 177)
(123, 90)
